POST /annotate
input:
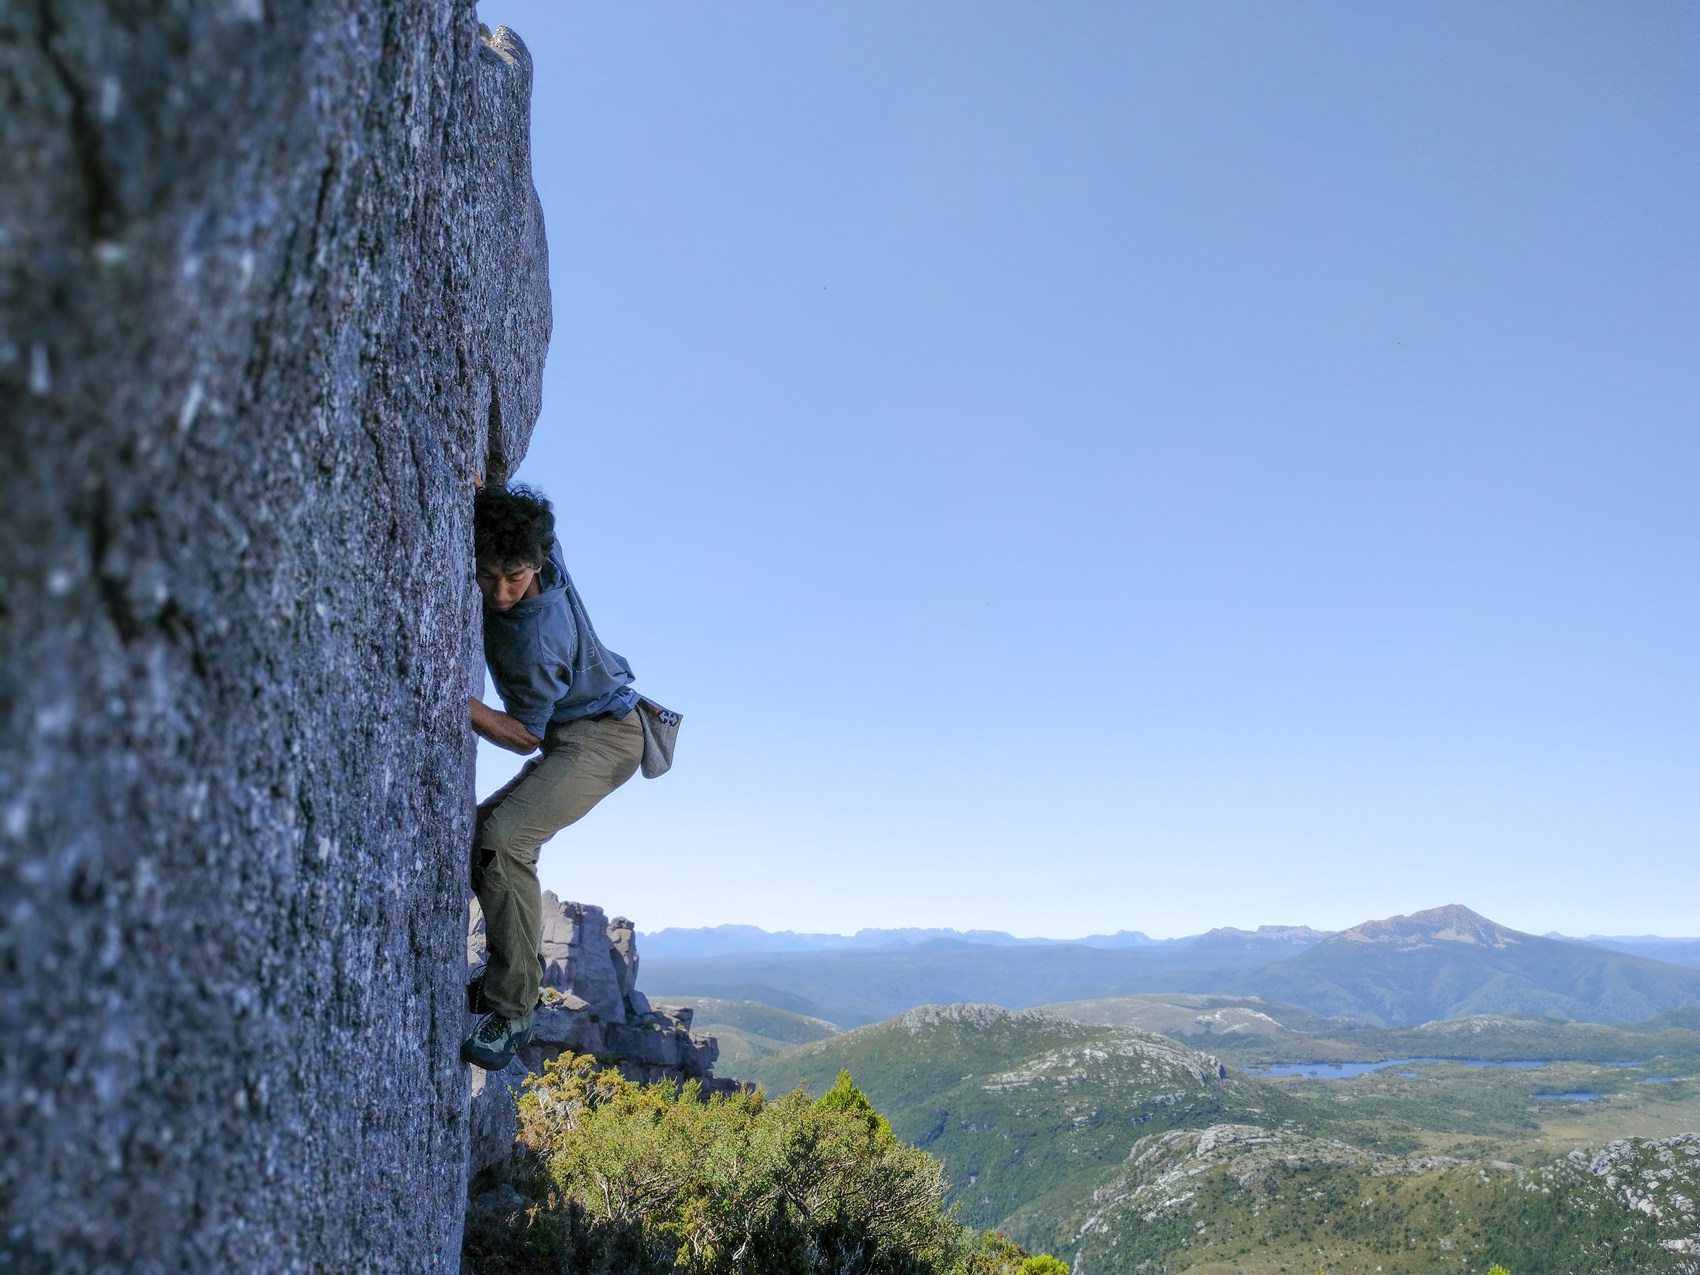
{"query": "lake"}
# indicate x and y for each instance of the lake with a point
(1341, 1070)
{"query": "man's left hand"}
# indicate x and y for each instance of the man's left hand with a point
(502, 730)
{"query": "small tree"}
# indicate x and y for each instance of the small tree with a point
(997, 1254)
(650, 1178)
(844, 1097)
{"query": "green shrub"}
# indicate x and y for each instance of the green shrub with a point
(651, 1178)
(996, 1254)
(850, 1101)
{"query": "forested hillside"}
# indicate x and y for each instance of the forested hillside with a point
(1120, 1150)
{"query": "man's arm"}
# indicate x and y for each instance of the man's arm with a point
(501, 730)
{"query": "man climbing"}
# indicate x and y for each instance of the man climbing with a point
(564, 692)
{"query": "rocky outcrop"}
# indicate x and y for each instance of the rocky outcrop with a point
(1657, 1181)
(591, 1005)
(272, 289)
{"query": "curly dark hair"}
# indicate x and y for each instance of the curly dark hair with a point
(512, 525)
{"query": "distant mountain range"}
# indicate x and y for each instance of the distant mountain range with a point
(675, 943)
(1448, 962)
(681, 943)
(1654, 948)
(1398, 971)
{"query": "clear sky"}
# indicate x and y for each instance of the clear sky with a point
(1114, 465)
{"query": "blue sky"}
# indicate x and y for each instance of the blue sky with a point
(1098, 466)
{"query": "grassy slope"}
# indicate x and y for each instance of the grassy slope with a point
(1248, 1030)
(748, 1029)
(1035, 1117)
(1252, 1202)
(1234, 1022)
(1021, 1105)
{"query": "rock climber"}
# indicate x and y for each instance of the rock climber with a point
(565, 693)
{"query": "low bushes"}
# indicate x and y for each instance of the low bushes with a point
(616, 1176)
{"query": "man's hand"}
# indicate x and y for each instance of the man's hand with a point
(501, 730)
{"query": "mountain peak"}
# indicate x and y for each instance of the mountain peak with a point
(1453, 923)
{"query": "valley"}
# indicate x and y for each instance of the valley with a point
(748, 1029)
(1218, 1130)
(1123, 1150)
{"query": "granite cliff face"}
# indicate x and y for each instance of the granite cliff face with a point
(273, 286)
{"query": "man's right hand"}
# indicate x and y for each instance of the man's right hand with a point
(502, 730)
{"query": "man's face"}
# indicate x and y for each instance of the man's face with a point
(504, 583)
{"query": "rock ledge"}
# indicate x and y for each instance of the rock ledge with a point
(591, 1005)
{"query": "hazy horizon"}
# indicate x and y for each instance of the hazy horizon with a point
(1129, 466)
(1072, 938)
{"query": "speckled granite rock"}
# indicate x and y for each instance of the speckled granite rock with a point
(494, 1123)
(272, 287)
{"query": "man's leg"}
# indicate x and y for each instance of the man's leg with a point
(481, 858)
(582, 763)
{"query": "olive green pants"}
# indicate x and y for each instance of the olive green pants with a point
(581, 763)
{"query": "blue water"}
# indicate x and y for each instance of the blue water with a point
(1572, 1095)
(1339, 1071)
(1333, 1071)
(1654, 1080)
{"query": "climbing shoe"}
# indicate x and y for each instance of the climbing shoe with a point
(496, 1041)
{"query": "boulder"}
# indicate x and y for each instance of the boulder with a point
(273, 288)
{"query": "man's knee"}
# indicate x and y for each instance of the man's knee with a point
(502, 847)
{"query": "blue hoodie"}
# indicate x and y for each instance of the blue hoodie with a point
(546, 660)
